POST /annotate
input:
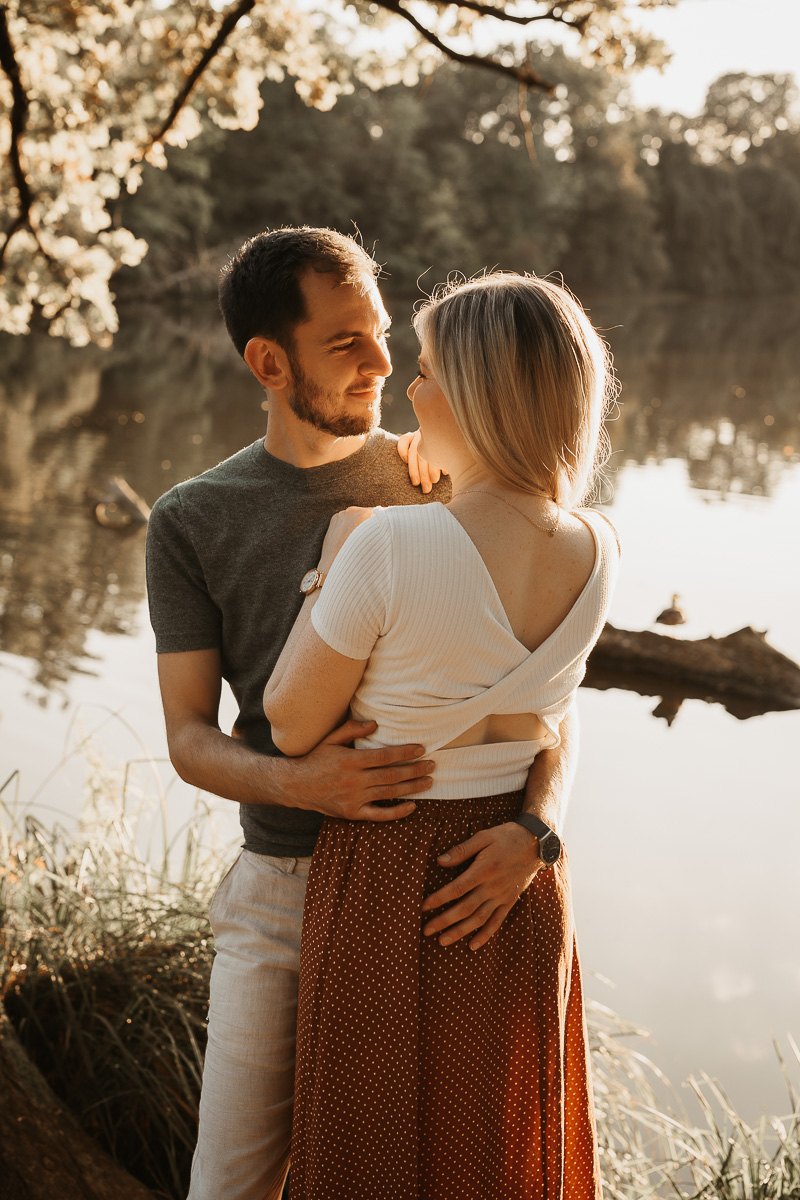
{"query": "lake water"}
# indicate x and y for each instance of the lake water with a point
(683, 838)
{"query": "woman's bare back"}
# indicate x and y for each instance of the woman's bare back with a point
(538, 578)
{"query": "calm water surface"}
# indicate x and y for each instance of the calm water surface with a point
(683, 839)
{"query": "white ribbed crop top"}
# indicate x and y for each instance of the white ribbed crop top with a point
(410, 591)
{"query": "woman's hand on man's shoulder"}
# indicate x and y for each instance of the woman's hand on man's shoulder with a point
(421, 473)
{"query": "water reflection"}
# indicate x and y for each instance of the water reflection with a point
(69, 420)
(712, 383)
(705, 382)
(672, 694)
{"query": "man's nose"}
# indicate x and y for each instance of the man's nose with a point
(378, 361)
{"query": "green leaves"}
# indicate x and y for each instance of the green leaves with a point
(94, 89)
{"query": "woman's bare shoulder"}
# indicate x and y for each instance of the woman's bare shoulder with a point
(583, 516)
(576, 541)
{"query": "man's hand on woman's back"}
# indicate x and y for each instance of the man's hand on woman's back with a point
(339, 781)
(333, 778)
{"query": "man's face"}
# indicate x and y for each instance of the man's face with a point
(339, 361)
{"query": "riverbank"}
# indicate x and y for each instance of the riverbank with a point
(104, 977)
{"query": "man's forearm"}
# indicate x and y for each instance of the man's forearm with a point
(551, 775)
(209, 759)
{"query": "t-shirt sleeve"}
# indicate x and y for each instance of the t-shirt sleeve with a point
(182, 613)
(350, 614)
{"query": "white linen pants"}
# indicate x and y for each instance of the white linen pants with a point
(248, 1078)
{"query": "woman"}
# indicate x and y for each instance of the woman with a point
(426, 1070)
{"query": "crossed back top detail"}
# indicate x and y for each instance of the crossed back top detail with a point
(410, 591)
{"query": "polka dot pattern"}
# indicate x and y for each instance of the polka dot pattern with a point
(428, 1072)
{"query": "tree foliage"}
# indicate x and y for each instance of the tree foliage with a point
(742, 112)
(94, 89)
(439, 179)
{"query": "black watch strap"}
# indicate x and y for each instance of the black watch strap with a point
(549, 841)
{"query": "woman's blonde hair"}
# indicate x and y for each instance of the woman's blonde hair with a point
(527, 377)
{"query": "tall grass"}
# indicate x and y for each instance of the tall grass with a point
(104, 967)
(654, 1144)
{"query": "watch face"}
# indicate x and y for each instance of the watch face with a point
(550, 848)
(308, 580)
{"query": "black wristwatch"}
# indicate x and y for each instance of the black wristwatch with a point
(549, 841)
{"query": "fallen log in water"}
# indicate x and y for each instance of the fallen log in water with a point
(120, 507)
(741, 671)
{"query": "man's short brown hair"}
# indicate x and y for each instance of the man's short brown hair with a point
(260, 293)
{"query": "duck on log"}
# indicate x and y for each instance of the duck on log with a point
(742, 670)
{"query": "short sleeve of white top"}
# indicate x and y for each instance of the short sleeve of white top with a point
(410, 592)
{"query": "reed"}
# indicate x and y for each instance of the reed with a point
(104, 968)
(654, 1144)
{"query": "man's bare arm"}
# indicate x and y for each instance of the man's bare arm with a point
(333, 778)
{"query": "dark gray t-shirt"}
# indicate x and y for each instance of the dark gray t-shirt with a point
(225, 555)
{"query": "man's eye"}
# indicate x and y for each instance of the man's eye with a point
(347, 346)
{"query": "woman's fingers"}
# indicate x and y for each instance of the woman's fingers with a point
(428, 475)
(403, 442)
(413, 460)
(421, 473)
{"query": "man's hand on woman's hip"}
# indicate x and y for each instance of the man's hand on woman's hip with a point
(504, 863)
(339, 781)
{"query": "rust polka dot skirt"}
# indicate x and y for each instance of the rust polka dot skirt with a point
(428, 1072)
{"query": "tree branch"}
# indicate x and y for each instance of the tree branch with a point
(523, 75)
(229, 23)
(527, 124)
(18, 119)
(553, 14)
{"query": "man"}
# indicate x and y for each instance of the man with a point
(227, 552)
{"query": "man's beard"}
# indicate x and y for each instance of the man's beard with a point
(322, 409)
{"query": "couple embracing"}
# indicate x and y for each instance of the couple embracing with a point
(404, 626)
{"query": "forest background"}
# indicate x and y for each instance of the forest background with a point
(182, 128)
(618, 200)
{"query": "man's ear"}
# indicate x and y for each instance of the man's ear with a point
(268, 362)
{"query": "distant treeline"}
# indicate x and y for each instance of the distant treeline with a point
(453, 175)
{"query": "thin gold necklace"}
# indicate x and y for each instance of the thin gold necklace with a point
(542, 529)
